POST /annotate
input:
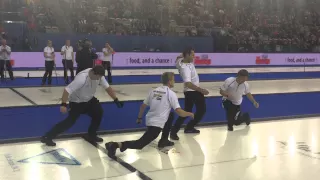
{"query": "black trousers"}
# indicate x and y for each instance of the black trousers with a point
(233, 113)
(49, 65)
(8, 67)
(151, 134)
(67, 65)
(107, 66)
(92, 108)
(191, 98)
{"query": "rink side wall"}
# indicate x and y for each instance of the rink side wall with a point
(29, 123)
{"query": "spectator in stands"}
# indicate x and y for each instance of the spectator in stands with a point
(246, 26)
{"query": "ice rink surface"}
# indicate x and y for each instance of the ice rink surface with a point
(263, 151)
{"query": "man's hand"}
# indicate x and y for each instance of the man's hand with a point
(256, 104)
(139, 120)
(204, 91)
(191, 115)
(119, 104)
(63, 109)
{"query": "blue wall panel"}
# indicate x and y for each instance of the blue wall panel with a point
(128, 43)
(24, 122)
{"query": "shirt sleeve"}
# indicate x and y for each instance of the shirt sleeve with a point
(76, 84)
(104, 83)
(8, 49)
(225, 85)
(247, 88)
(63, 48)
(178, 62)
(174, 102)
(147, 99)
(185, 74)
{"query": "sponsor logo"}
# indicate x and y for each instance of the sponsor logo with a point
(301, 60)
(148, 61)
(12, 162)
(302, 149)
(260, 60)
(203, 59)
(58, 156)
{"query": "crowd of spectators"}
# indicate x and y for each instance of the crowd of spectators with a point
(242, 25)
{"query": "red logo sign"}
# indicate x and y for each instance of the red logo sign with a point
(202, 60)
(262, 60)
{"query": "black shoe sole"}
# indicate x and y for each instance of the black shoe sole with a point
(111, 152)
(176, 138)
(46, 143)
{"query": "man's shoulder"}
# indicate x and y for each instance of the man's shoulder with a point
(84, 73)
(171, 92)
(229, 79)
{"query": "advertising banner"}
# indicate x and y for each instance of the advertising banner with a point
(137, 59)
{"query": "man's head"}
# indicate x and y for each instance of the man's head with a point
(242, 76)
(49, 43)
(97, 72)
(167, 79)
(3, 42)
(188, 55)
(68, 42)
(87, 43)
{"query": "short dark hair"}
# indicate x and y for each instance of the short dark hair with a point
(99, 70)
(243, 72)
(166, 77)
(187, 51)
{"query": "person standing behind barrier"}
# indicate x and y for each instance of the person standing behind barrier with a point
(193, 95)
(159, 118)
(67, 61)
(232, 91)
(84, 56)
(5, 52)
(106, 61)
(49, 63)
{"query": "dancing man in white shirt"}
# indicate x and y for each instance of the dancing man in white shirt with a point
(106, 61)
(159, 118)
(80, 93)
(49, 63)
(194, 95)
(232, 91)
(5, 52)
(67, 61)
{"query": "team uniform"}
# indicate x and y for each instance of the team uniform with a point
(189, 74)
(82, 101)
(106, 63)
(49, 65)
(233, 102)
(5, 61)
(159, 118)
(67, 62)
